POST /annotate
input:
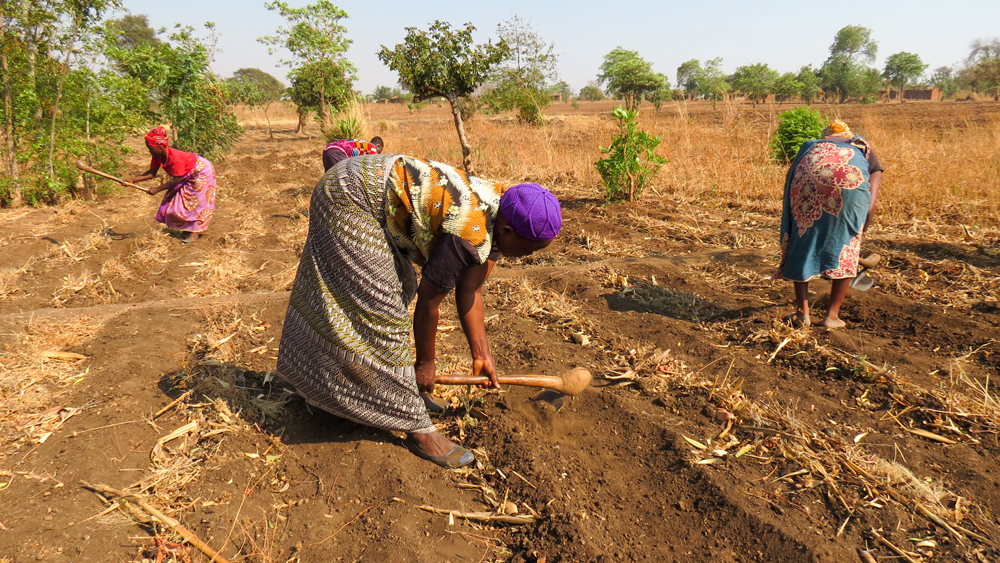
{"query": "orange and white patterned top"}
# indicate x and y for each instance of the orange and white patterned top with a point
(427, 199)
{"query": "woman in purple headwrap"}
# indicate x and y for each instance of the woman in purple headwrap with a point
(345, 344)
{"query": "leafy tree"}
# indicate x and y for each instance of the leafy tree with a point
(794, 128)
(444, 62)
(318, 85)
(630, 77)
(520, 79)
(132, 30)
(54, 98)
(852, 50)
(689, 76)
(856, 44)
(382, 93)
(901, 69)
(629, 164)
(712, 83)
(757, 81)
(810, 84)
(787, 87)
(591, 93)
(255, 89)
(563, 88)
(944, 79)
(984, 63)
(269, 86)
(188, 95)
(662, 94)
(315, 38)
(869, 83)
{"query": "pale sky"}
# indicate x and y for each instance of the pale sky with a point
(784, 34)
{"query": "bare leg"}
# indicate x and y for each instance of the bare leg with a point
(838, 291)
(800, 318)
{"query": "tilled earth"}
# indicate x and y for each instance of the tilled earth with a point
(712, 432)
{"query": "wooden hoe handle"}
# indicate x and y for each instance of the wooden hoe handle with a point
(83, 166)
(572, 383)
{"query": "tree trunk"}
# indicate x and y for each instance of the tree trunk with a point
(55, 104)
(466, 147)
(301, 126)
(324, 112)
(16, 194)
(269, 133)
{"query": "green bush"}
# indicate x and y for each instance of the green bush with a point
(629, 163)
(794, 128)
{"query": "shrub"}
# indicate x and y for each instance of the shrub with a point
(794, 128)
(629, 163)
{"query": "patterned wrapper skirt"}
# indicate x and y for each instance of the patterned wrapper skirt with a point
(190, 204)
(827, 196)
(345, 345)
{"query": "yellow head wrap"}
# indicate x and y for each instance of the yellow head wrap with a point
(838, 128)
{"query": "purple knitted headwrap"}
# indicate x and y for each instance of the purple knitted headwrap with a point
(532, 211)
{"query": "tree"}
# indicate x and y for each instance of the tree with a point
(444, 62)
(629, 164)
(901, 69)
(591, 93)
(318, 85)
(712, 83)
(984, 63)
(810, 84)
(787, 87)
(869, 83)
(563, 88)
(520, 79)
(944, 79)
(662, 94)
(132, 30)
(255, 89)
(314, 37)
(270, 86)
(757, 81)
(630, 77)
(689, 76)
(852, 50)
(382, 93)
(187, 94)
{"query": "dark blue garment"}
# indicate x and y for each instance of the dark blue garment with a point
(827, 197)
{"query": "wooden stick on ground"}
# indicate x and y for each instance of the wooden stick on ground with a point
(483, 516)
(163, 518)
(892, 548)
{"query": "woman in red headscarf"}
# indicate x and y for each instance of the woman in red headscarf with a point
(190, 185)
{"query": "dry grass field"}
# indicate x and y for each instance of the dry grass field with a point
(712, 431)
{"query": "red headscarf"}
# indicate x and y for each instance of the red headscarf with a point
(158, 137)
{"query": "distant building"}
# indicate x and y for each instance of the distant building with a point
(557, 97)
(932, 94)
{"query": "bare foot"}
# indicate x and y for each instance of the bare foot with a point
(798, 320)
(833, 323)
(870, 261)
(191, 237)
(433, 443)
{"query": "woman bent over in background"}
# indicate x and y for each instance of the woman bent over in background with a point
(830, 195)
(190, 185)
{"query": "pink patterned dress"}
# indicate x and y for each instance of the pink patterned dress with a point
(827, 197)
(190, 204)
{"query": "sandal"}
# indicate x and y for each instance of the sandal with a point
(457, 457)
(797, 321)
